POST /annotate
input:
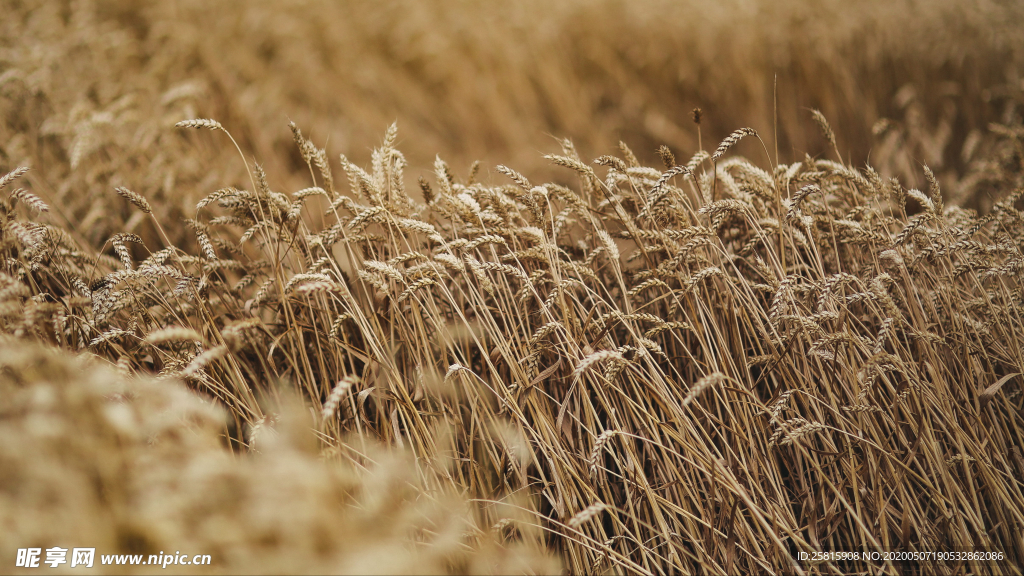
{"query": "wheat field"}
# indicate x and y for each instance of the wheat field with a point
(589, 287)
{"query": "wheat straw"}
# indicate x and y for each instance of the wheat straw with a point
(586, 514)
(173, 334)
(337, 393)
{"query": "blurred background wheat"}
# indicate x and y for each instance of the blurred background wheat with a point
(90, 88)
(462, 344)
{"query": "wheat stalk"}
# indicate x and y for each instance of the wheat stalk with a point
(173, 334)
(200, 123)
(135, 198)
(701, 385)
(598, 446)
(586, 515)
(594, 358)
(337, 393)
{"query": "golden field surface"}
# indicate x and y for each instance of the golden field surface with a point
(581, 287)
